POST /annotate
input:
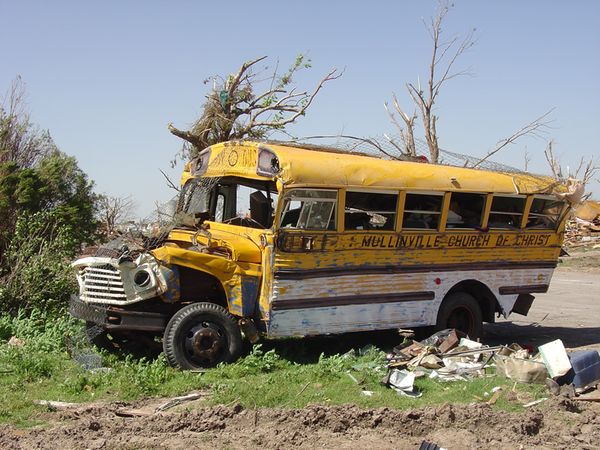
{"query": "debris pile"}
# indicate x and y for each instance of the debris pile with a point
(583, 229)
(582, 233)
(450, 355)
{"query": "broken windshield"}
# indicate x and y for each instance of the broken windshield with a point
(235, 201)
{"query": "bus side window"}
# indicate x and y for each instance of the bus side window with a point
(422, 210)
(466, 210)
(545, 213)
(506, 212)
(220, 208)
(309, 210)
(370, 211)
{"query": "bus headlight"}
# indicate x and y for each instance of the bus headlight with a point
(142, 278)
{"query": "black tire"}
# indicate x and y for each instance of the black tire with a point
(202, 335)
(461, 311)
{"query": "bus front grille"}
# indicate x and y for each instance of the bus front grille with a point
(101, 283)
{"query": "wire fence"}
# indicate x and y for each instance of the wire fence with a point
(387, 147)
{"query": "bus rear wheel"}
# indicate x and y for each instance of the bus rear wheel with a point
(462, 312)
(202, 335)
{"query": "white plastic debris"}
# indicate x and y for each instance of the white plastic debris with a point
(555, 358)
(464, 342)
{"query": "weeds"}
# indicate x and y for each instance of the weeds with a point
(42, 368)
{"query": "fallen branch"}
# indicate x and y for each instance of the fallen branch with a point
(179, 400)
(587, 399)
(57, 405)
(535, 402)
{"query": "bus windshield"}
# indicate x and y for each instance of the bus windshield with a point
(231, 200)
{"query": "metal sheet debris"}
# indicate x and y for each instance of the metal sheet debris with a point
(448, 356)
(403, 382)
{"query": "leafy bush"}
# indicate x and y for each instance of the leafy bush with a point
(47, 210)
(39, 329)
(36, 264)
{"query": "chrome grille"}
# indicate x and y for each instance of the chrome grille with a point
(101, 283)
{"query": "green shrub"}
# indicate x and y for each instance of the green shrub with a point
(37, 265)
(42, 342)
(40, 329)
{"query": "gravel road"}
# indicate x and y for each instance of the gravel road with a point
(569, 311)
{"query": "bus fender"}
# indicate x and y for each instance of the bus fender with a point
(487, 300)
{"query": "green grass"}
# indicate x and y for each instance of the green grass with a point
(327, 382)
(288, 374)
(42, 369)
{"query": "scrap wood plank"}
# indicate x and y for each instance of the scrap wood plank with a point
(495, 396)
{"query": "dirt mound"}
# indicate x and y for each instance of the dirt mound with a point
(557, 423)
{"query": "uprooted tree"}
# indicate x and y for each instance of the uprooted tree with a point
(251, 104)
(442, 68)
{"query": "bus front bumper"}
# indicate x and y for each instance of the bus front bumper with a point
(114, 318)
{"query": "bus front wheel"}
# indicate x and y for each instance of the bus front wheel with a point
(462, 312)
(202, 335)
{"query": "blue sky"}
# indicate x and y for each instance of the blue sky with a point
(106, 77)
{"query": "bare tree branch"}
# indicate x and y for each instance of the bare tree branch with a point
(191, 138)
(444, 55)
(297, 110)
(537, 128)
(585, 172)
(169, 181)
(113, 211)
(552, 161)
(526, 160)
(235, 82)
(407, 135)
(21, 141)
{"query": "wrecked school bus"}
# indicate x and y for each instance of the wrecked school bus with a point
(278, 240)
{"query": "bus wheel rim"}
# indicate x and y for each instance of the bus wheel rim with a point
(204, 343)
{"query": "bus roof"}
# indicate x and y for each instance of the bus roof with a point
(324, 167)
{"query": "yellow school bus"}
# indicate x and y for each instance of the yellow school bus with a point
(279, 240)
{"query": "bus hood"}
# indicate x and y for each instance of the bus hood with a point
(233, 242)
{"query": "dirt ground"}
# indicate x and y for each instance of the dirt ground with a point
(569, 311)
(557, 423)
